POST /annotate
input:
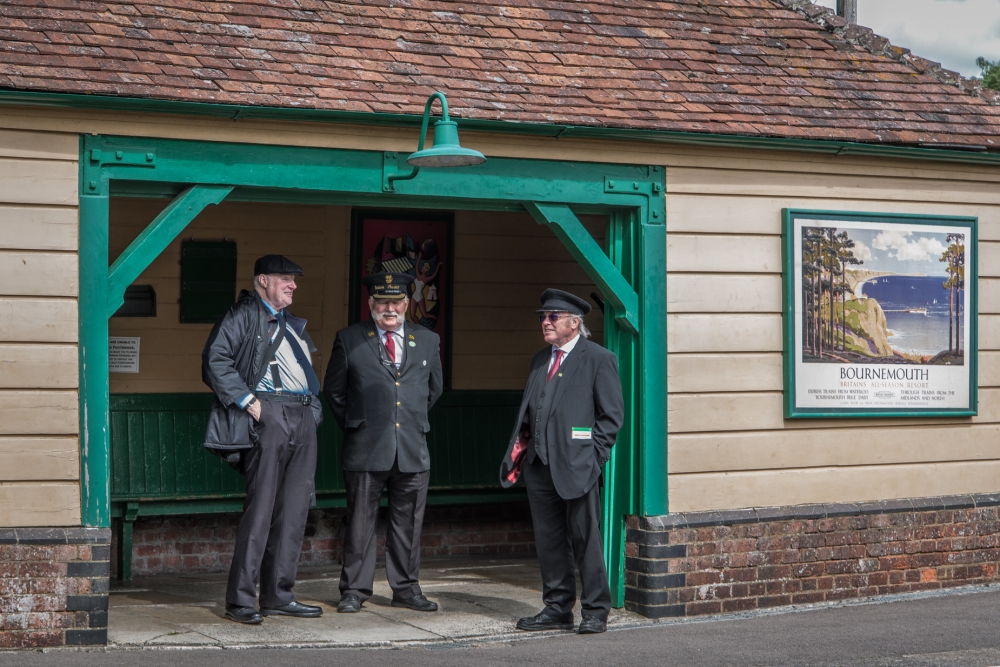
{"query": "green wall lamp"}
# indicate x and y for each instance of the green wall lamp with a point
(446, 151)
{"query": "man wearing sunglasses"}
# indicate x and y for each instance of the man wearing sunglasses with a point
(384, 375)
(570, 415)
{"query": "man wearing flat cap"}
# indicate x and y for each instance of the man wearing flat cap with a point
(258, 362)
(570, 415)
(384, 375)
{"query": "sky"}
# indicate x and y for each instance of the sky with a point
(900, 251)
(951, 32)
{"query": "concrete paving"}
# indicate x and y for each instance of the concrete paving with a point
(479, 598)
(953, 628)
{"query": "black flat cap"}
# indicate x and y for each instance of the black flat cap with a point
(558, 300)
(269, 264)
(388, 285)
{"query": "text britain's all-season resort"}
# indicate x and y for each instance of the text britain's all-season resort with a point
(788, 229)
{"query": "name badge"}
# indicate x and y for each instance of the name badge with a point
(580, 433)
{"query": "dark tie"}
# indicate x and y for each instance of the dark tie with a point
(555, 365)
(390, 346)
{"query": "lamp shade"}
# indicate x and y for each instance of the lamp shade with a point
(446, 151)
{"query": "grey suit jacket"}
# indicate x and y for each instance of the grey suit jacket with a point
(369, 398)
(588, 395)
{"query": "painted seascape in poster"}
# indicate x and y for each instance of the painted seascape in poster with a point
(881, 312)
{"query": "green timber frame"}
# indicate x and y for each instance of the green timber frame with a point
(631, 271)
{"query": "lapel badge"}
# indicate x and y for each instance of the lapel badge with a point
(425, 362)
(371, 333)
(411, 337)
(412, 344)
(560, 375)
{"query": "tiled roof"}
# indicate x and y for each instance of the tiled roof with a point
(782, 68)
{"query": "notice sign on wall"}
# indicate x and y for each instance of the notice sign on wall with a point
(123, 355)
(879, 315)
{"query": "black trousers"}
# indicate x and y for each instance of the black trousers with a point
(568, 533)
(407, 498)
(281, 471)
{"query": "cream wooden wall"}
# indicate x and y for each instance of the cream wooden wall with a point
(503, 261)
(729, 446)
(39, 415)
(316, 237)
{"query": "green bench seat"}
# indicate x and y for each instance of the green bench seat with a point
(159, 467)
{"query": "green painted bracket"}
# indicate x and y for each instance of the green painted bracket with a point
(157, 236)
(585, 250)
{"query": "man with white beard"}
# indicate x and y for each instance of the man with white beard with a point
(383, 377)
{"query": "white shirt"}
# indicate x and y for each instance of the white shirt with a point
(566, 349)
(397, 338)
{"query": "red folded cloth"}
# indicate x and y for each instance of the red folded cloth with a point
(517, 456)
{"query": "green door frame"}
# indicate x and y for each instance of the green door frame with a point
(196, 174)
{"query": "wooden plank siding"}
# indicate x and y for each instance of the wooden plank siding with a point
(729, 445)
(39, 368)
(502, 263)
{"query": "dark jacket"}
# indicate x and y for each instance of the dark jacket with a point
(232, 364)
(382, 411)
(588, 395)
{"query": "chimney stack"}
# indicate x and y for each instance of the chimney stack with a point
(848, 9)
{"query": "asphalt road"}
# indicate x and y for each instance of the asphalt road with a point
(956, 630)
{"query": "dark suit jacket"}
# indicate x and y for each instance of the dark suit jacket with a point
(363, 394)
(589, 395)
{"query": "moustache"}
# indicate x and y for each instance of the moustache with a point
(378, 317)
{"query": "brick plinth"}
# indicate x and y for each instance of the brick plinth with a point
(204, 543)
(713, 562)
(54, 586)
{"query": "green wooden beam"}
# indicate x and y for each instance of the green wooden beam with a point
(95, 455)
(651, 384)
(157, 236)
(585, 250)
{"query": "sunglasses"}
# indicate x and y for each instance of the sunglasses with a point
(552, 317)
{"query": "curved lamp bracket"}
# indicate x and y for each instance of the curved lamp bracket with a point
(447, 151)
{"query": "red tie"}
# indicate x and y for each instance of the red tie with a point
(555, 365)
(390, 346)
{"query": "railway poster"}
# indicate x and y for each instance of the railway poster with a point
(879, 314)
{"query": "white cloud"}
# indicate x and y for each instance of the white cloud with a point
(952, 32)
(890, 239)
(922, 249)
(861, 251)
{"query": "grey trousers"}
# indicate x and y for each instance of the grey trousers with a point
(281, 471)
(568, 533)
(407, 498)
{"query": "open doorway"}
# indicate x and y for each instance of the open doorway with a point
(175, 506)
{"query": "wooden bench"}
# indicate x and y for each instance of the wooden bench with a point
(159, 467)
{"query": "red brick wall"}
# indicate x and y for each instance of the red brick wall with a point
(204, 543)
(713, 562)
(53, 587)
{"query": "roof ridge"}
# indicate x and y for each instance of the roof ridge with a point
(866, 38)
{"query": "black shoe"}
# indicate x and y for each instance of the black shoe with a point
(591, 625)
(416, 603)
(543, 621)
(247, 615)
(349, 604)
(293, 609)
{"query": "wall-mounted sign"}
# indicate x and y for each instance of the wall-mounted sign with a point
(414, 242)
(123, 355)
(879, 314)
